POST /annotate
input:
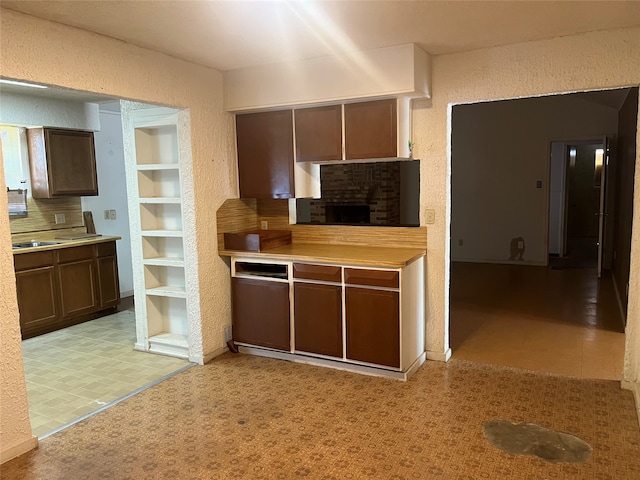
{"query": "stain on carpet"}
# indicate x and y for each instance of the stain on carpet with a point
(532, 439)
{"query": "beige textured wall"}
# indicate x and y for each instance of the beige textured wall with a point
(15, 429)
(632, 355)
(46, 52)
(582, 62)
(41, 51)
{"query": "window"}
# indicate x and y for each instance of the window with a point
(16, 169)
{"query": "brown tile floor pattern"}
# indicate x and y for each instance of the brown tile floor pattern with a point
(245, 417)
(77, 370)
(557, 321)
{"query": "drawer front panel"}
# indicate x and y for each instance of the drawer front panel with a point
(324, 273)
(72, 254)
(372, 278)
(106, 249)
(25, 261)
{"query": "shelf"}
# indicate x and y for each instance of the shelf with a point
(161, 216)
(172, 344)
(162, 247)
(158, 166)
(159, 183)
(161, 233)
(167, 291)
(156, 145)
(170, 339)
(158, 200)
(164, 261)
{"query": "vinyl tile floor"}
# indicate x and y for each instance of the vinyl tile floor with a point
(253, 418)
(77, 370)
(558, 321)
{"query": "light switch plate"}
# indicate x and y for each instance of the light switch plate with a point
(430, 216)
(112, 214)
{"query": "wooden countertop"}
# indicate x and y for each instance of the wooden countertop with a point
(66, 244)
(342, 254)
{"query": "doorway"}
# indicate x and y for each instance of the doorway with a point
(91, 365)
(575, 190)
(517, 310)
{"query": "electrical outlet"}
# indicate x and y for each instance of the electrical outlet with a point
(112, 214)
(107, 215)
(264, 225)
(60, 218)
(430, 216)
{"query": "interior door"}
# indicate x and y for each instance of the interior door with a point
(602, 212)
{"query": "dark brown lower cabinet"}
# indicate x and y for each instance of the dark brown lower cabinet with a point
(59, 288)
(261, 313)
(37, 299)
(318, 318)
(108, 284)
(373, 326)
(77, 277)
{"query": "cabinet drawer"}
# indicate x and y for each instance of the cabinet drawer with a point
(32, 260)
(373, 278)
(324, 273)
(75, 253)
(106, 249)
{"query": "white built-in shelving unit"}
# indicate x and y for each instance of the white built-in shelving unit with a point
(162, 296)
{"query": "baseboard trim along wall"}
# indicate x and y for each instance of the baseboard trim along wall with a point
(202, 359)
(619, 299)
(19, 449)
(439, 356)
(635, 389)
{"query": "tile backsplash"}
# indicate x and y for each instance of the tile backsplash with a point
(41, 216)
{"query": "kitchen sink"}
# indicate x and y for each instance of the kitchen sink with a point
(33, 243)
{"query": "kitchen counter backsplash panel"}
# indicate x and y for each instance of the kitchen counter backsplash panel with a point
(41, 217)
(237, 215)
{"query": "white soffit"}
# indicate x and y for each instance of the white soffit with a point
(402, 70)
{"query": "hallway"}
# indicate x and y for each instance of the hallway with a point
(561, 321)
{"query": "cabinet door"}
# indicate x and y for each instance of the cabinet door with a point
(70, 163)
(319, 133)
(318, 318)
(261, 313)
(265, 154)
(77, 288)
(373, 326)
(108, 286)
(371, 129)
(37, 301)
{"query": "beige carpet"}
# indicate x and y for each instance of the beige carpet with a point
(246, 417)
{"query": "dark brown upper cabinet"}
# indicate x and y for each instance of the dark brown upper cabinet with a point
(265, 154)
(319, 133)
(62, 163)
(371, 129)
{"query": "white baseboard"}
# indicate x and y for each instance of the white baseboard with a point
(19, 449)
(635, 389)
(493, 261)
(366, 369)
(619, 299)
(439, 356)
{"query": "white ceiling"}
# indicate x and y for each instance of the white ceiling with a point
(234, 34)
